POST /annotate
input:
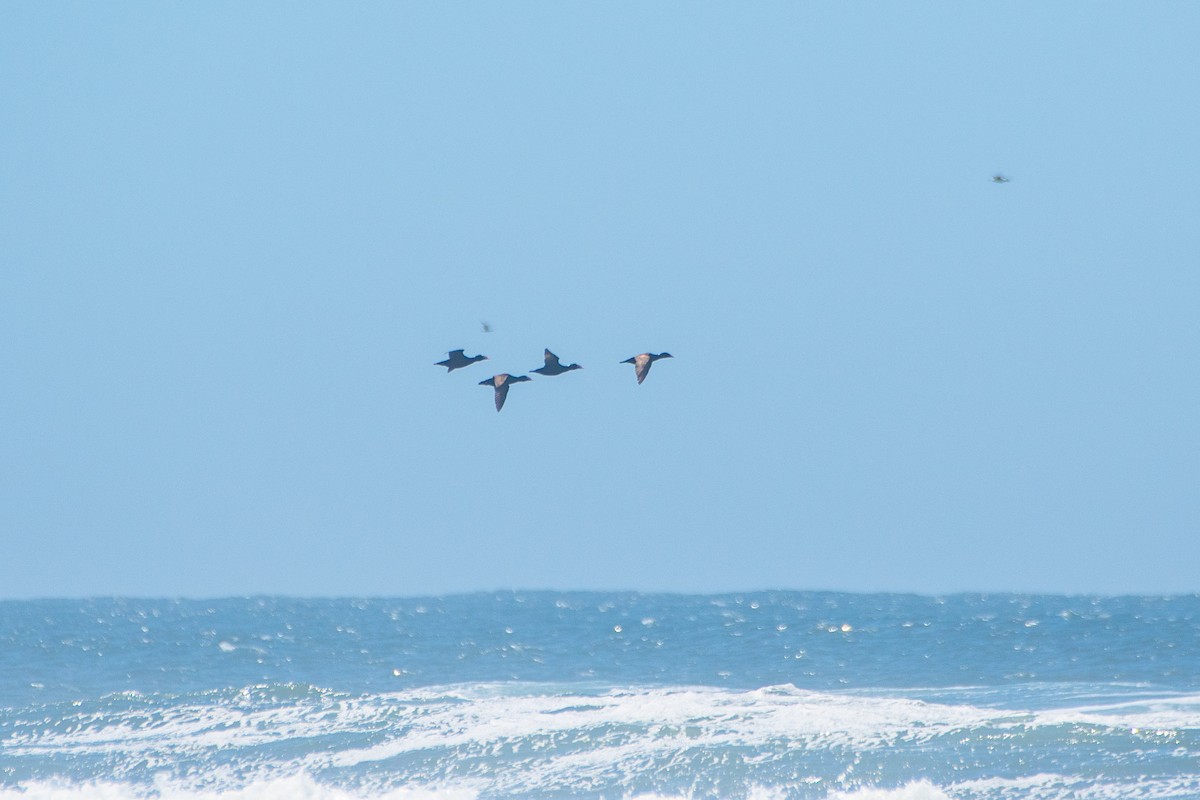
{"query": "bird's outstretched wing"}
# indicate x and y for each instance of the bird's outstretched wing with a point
(642, 365)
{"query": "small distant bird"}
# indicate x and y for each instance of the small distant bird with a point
(501, 383)
(486, 328)
(554, 367)
(641, 363)
(457, 361)
(999, 179)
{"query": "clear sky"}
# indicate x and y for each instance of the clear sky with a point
(235, 237)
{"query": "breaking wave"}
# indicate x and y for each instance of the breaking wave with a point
(486, 740)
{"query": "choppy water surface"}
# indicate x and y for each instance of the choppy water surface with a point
(552, 695)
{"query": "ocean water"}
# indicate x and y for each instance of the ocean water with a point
(534, 695)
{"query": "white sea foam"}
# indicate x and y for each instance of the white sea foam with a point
(919, 790)
(486, 716)
(515, 737)
(1179, 712)
(667, 719)
(302, 787)
(296, 787)
(1050, 786)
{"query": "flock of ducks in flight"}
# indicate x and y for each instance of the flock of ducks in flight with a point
(500, 383)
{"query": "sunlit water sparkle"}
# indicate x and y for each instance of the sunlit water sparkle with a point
(760, 696)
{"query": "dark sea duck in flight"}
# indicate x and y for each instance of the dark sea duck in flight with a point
(641, 363)
(501, 383)
(554, 366)
(999, 179)
(457, 361)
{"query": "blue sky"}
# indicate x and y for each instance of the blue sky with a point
(236, 237)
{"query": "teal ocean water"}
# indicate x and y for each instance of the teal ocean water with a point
(594, 695)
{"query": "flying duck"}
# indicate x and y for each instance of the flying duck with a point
(501, 383)
(553, 367)
(641, 363)
(457, 361)
(999, 179)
